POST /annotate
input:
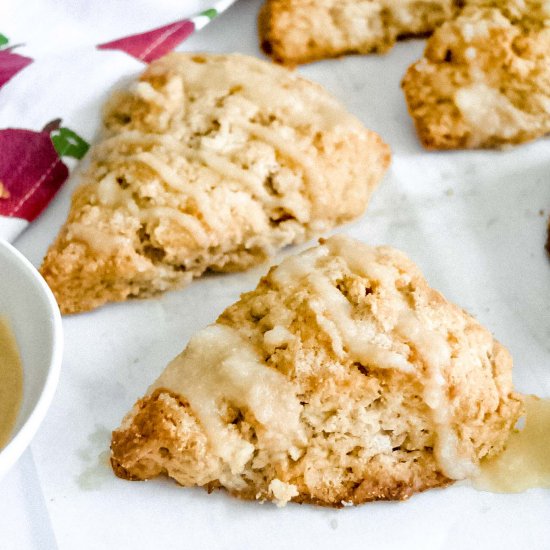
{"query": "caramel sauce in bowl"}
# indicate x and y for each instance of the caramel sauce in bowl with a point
(28, 307)
(11, 381)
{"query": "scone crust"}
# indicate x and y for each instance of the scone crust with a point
(369, 431)
(208, 162)
(292, 32)
(484, 79)
(162, 437)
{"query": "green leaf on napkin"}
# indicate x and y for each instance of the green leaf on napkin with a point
(3, 40)
(211, 13)
(69, 144)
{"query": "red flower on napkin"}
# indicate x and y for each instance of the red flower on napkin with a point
(31, 169)
(10, 63)
(152, 45)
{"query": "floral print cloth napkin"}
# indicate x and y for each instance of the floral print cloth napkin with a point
(41, 131)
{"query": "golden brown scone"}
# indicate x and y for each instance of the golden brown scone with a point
(342, 378)
(300, 31)
(484, 80)
(208, 162)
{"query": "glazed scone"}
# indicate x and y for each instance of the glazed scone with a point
(209, 162)
(342, 378)
(484, 80)
(300, 31)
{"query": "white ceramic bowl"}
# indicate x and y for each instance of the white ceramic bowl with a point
(32, 312)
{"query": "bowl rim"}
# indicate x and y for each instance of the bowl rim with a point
(21, 439)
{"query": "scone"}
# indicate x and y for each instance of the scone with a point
(484, 80)
(342, 378)
(208, 162)
(299, 31)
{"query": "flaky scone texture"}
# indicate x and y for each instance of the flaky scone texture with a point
(300, 31)
(208, 162)
(343, 378)
(484, 80)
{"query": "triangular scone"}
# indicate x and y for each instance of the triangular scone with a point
(342, 378)
(484, 80)
(300, 31)
(208, 162)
